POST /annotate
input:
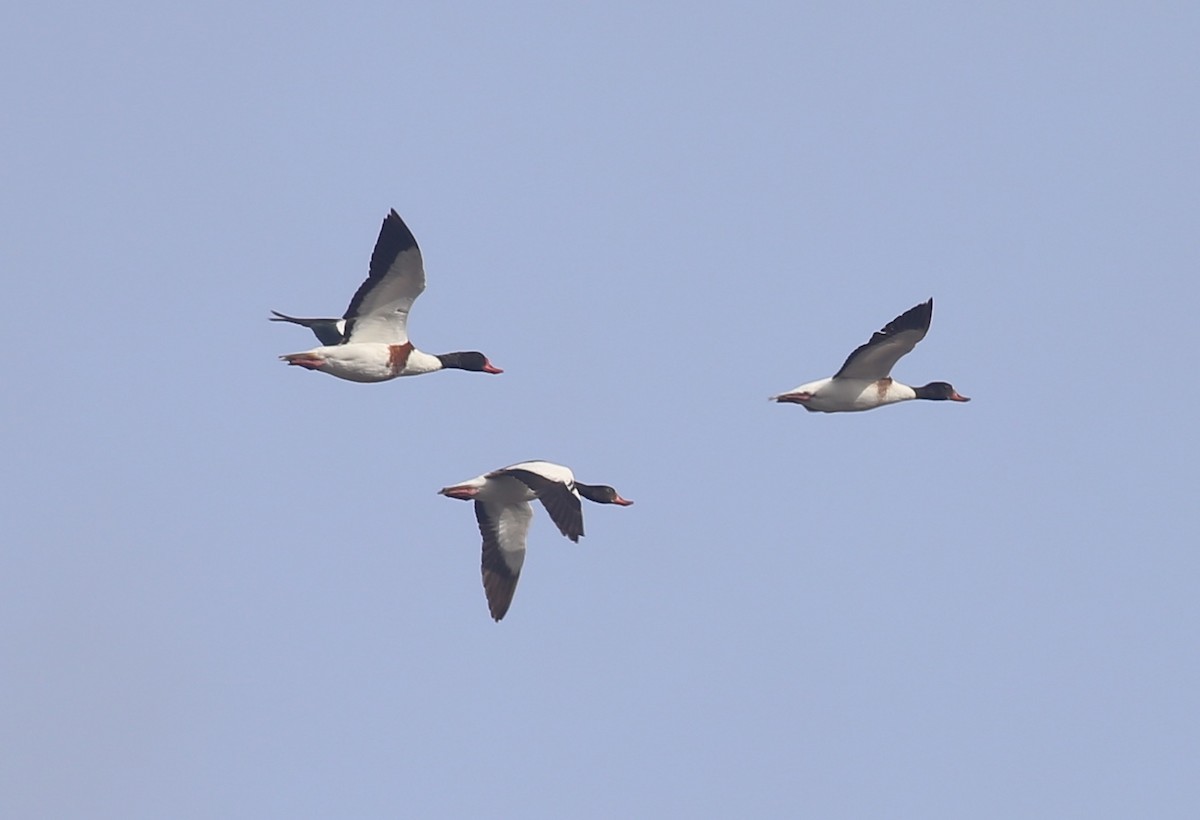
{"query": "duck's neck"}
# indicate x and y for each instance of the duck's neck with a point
(420, 362)
(591, 492)
(450, 361)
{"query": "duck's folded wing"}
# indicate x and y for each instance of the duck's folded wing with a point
(560, 500)
(379, 310)
(876, 358)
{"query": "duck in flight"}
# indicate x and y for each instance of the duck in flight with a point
(502, 509)
(865, 381)
(370, 343)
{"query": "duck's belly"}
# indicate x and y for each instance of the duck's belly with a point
(366, 362)
(840, 396)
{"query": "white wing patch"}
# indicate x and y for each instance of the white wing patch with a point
(382, 312)
(379, 310)
(512, 527)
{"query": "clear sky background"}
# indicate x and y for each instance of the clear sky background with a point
(228, 589)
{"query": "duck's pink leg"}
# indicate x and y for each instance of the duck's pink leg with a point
(305, 360)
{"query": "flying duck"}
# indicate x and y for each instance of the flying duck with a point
(370, 343)
(864, 382)
(502, 509)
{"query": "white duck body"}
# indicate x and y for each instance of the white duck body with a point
(366, 362)
(832, 395)
(501, 487)
(497, 488)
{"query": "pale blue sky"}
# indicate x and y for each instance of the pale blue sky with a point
(228, 589)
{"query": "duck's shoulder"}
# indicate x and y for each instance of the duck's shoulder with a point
(538, 471)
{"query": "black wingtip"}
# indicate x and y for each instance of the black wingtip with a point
(394, 239)
(917, 317)
(394, 234)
